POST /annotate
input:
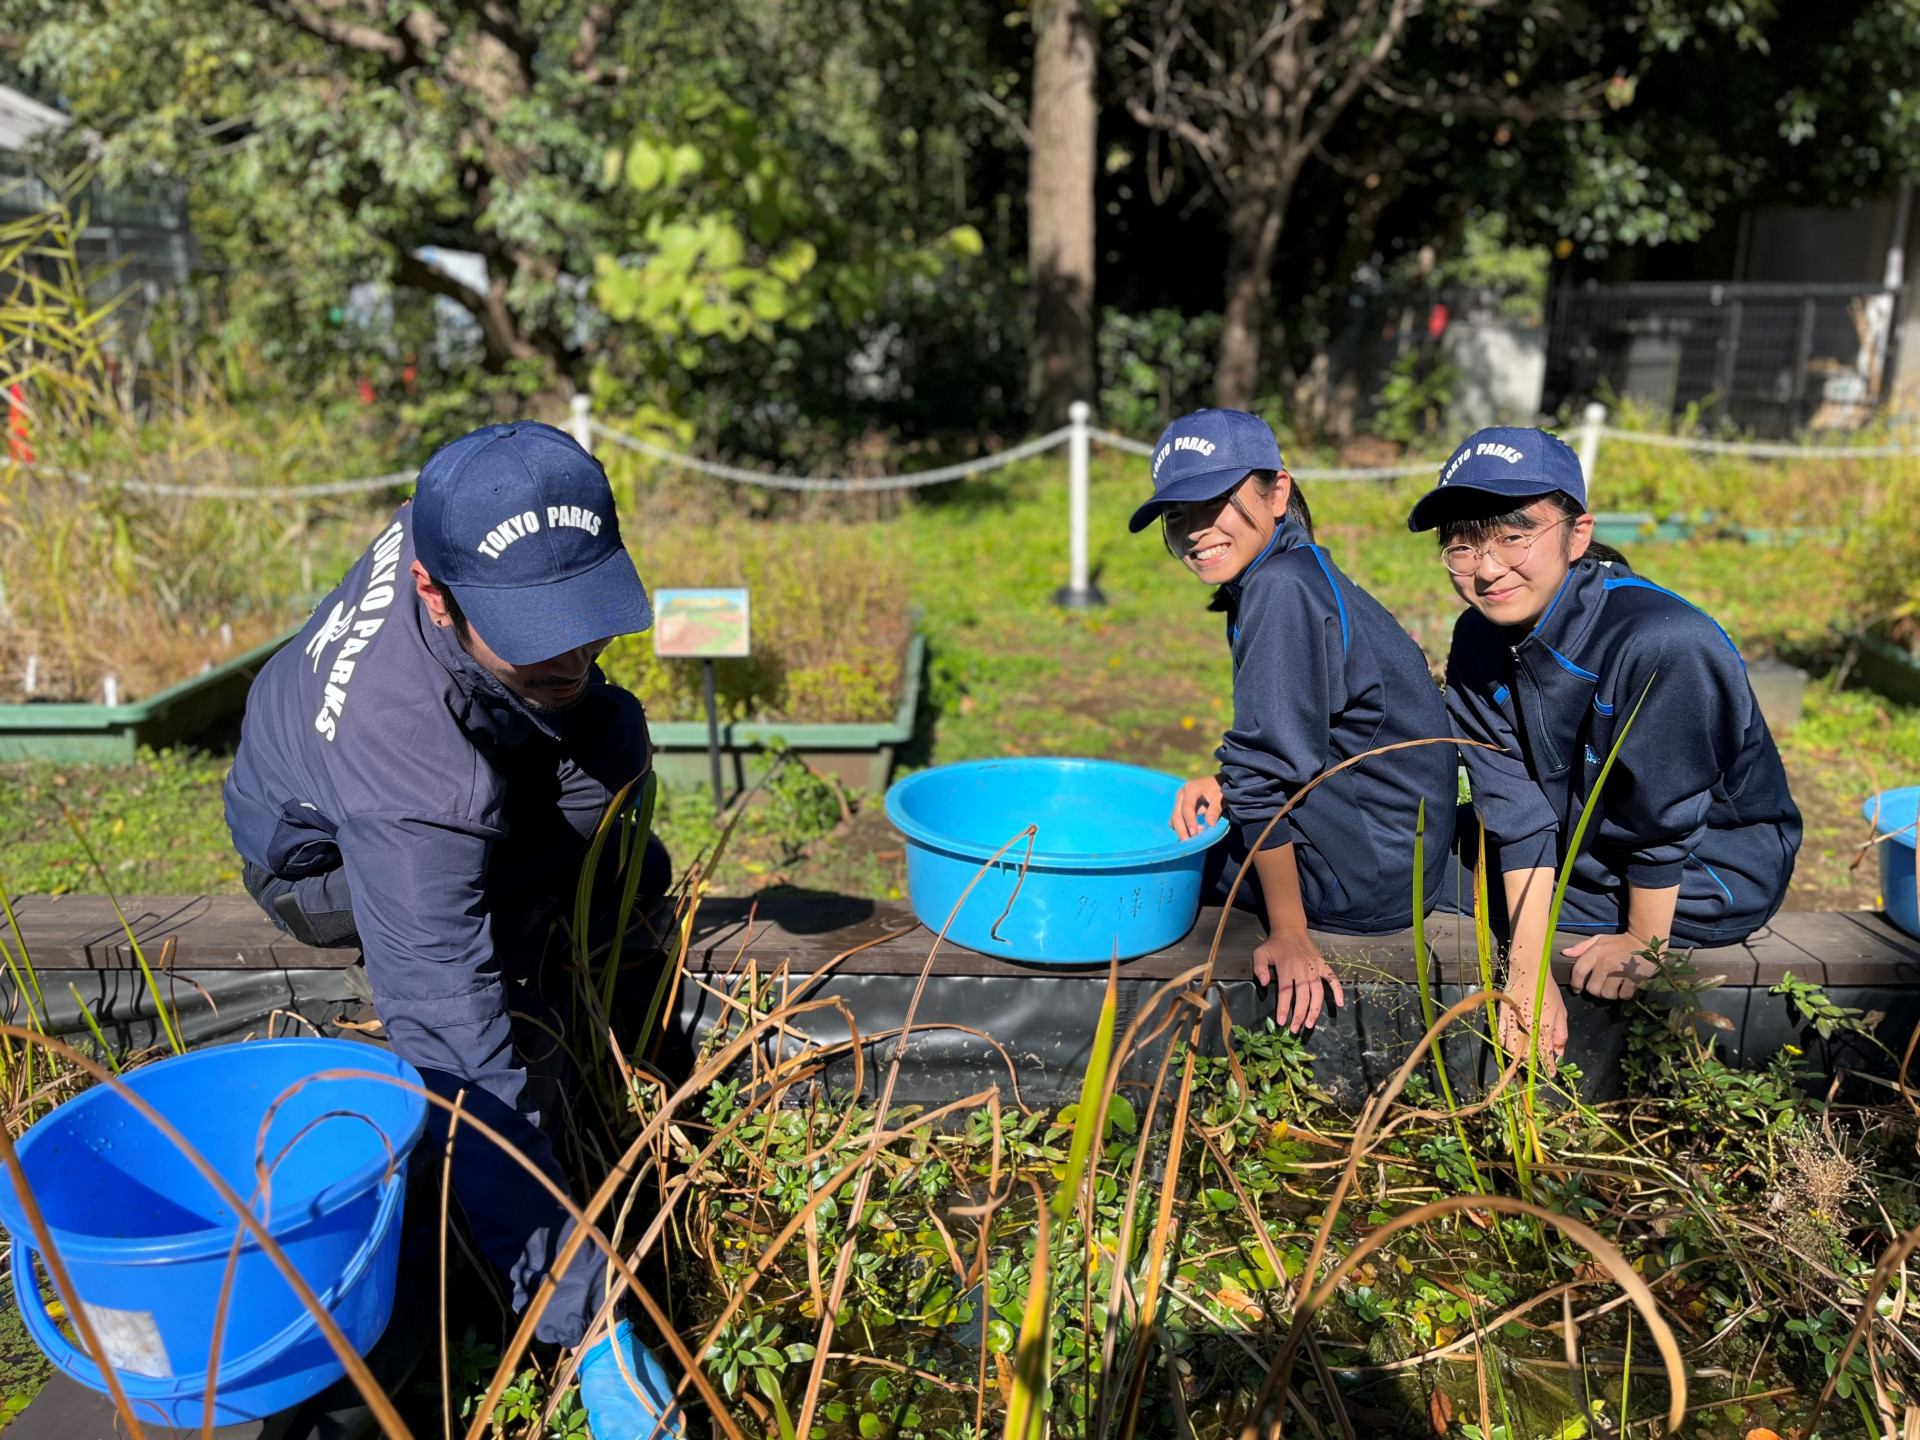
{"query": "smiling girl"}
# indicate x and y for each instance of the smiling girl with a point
(1694, 835)
(1321, 673)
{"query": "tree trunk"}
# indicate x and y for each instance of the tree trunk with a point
(1060, 224)
(1253, 236)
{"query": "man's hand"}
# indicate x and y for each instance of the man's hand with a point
(1516, 1026)
(1295, 961)
(1197, 806)
(1609, 967)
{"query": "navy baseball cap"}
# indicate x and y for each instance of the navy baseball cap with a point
(1204, 455)
(1506, 461)
(518, 522)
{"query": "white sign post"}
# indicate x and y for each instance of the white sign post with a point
(703, 625)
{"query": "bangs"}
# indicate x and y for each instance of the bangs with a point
(1476, 525)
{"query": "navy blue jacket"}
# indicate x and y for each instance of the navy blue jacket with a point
(1321, 673)
(1697, 797)
(376, 744)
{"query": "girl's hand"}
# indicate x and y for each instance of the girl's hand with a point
(1516, 1026)
(1197, 806)
(1609, 967)
(1295, 961)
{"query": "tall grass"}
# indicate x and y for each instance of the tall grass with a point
(98, 579)
(830, 616)
(814, 1259)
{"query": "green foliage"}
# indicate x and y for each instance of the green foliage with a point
(157, 826)
(1154, 366)
(1414, 399)
(1818, 1010)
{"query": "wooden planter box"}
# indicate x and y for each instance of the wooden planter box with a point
(859, 755)
(70, 733)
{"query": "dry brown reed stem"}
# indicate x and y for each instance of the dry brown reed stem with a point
(843, 1263)
(1906, 1094)
(585, 1229)
(446, 1195)
(1890, 1262)
(1588, 1239)
(363, 1380)
(1281, 1373)
(1157, 1250)
(63, 1282)
(263, 1195)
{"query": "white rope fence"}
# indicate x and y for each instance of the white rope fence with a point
(585, 428)
(237, 492)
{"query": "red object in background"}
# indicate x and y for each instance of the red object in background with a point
(19, 441)
(408, 375)
(366, 391)
(1437, 321)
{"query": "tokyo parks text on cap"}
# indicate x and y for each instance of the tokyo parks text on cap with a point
(1204, 455)
(518, 522)
(1504, 461)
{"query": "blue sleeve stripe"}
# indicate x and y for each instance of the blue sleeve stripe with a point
(1327, 570)
(1569, 666)
(1500, 695)
(1710, 871)
(1602, 706)
(1635, 582)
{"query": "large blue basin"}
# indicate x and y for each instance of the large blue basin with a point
(1107, 872)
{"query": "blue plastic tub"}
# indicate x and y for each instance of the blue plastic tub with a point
(1107, 870)
(1893, 813)
(146, 1238)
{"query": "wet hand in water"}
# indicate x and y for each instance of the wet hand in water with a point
(1197, 806)
(1302, 972)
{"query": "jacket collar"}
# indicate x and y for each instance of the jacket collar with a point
(1285, 537)
(1561, 634)
(508, 716)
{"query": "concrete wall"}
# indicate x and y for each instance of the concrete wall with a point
(1503, 368)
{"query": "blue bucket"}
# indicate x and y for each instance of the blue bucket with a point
(146, 1238)
(1107, 869)
(1893, 813)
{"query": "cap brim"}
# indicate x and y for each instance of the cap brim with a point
(527, 624)
(1431, 508)
(1207, 485)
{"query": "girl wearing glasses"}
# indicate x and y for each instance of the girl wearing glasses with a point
(1321, 673)
(1694, 836)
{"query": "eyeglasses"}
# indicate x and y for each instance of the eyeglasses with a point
(1511, 550)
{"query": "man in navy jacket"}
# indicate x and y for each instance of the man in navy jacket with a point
(421, 773)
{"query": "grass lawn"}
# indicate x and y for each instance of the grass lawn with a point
(1144, 679)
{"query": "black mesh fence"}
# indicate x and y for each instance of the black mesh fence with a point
(1767, 358)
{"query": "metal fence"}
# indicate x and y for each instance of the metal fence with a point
(1772, 359)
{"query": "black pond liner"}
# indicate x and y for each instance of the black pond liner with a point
(1044, 1017)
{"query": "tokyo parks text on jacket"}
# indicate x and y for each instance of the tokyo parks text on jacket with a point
(1697, 796)
(374, 744)
(1322, 673)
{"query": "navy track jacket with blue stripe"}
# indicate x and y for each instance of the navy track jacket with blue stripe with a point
(1321, 673)
(376, 744)
(1697, 797)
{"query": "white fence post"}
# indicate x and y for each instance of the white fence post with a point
(1591, 421)
(581, 425)
(1079, 593)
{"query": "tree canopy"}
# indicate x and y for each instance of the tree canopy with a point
(782, 225)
